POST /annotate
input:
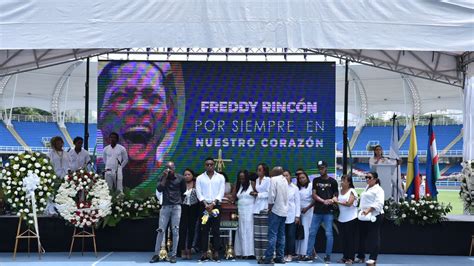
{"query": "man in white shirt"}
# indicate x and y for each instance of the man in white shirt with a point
(278, 210)
(210, 187)
(115, 159)
(79, 156)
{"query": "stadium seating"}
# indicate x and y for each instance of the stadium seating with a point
(33, 132)
(382, 134)
(6, 137)
(444, 135)
(77, 129)
(339, 136)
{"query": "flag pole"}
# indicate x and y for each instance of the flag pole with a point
(346, 111)
(395, 191)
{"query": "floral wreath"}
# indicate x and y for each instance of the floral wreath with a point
(128, 208)
(467, 186)
(83, 199)
(13, 185)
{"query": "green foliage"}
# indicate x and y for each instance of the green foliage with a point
(421, 212)
(29, 111)
(126, 207)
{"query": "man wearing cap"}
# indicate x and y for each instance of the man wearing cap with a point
(324, 193)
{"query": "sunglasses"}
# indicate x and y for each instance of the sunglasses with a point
(369, 177)
(209, 164)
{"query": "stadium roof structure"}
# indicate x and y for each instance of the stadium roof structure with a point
(61, 88)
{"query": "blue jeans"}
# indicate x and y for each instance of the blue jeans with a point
(315, 223)
(276, 236)
(168, 213)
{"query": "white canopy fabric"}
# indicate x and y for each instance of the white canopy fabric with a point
(425, 25)
(32, 29)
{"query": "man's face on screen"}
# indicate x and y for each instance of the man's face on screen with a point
(137, 108)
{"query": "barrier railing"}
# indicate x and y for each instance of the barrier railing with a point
(18, 149)
(47, 118)
(404, 153)
(439, 183)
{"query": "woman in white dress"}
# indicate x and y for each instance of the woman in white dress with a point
(61, 162)
(293, 217)
(60, 159)
(244, 245)
(347, 201)
(261, 187)
(306, 201)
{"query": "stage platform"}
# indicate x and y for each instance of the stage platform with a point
(142, 258)
(448, 238)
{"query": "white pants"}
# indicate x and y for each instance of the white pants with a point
(114, 181)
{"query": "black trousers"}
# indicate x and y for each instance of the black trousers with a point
(290, 239)
(349, 238)
(213, 225)
(370, 237)
(187, 225)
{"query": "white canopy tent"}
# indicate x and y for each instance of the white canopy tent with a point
(428, 39)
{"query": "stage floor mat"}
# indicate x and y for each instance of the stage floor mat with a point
(142, 258)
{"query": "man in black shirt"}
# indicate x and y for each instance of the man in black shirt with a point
(172, 186)
(324, 193)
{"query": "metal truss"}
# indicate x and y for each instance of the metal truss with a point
(436, 66)
(361, 94)
(441, 67)
(415, 95)
(17, 61)
(58, 89)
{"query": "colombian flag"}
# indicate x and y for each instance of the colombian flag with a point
(432, 168)
(413, 171)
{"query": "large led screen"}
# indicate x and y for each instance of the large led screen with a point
(280, 113)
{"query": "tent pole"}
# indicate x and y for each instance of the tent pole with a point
(86, 116)
(344, 132)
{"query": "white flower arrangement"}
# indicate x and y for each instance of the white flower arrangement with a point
(83, 199)
(128, 208)
(11, 179)
(467, 186)
(424, 211)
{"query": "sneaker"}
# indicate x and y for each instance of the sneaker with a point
(155, 258)
(203, 258)
(327, 259)
(288, 259)
(264, 261)
(279, 261)
(370, 262)
(343, 261)
(359, 260)
(172, 259)
(216, 257)
(307, 259)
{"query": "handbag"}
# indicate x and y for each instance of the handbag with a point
(299, 232)
(366, 218)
